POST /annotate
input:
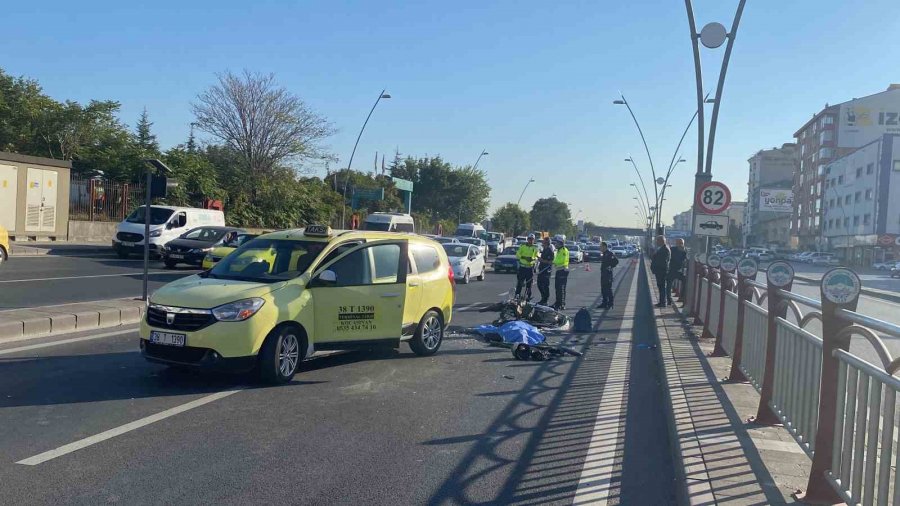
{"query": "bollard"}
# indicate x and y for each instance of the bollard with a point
(780, 275)
(702, 272)
(726, 270)
(713, 262)
(840, 290)
(746, 271)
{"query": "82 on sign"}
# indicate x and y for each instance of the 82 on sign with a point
(713, 197)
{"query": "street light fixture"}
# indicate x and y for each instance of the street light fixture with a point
(523, 191)
(350, 163)
(483, 153)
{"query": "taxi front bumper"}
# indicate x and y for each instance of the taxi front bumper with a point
(226, 340)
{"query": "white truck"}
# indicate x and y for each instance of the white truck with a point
(496, 242)
(166, 223)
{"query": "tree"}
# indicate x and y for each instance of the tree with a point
(144, 138)
(551, 215)
(511, 219)
(266, 124)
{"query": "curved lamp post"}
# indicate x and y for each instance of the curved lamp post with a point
(350, 163)
(523, 191)
(624, 102)
(483, 153)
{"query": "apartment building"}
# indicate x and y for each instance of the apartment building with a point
(771, 171)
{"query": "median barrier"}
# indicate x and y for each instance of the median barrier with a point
(53, 320)
(840, 409)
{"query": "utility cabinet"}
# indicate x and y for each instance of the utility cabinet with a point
(34, 197)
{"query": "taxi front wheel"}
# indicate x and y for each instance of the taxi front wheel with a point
(429, 335)
(280, 355)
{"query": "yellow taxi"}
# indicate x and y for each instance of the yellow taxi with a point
(220, 252)
(4, 246)
(282, 296)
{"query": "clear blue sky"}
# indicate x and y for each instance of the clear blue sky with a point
(532, 82)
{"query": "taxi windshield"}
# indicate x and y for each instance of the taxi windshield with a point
(268, 260)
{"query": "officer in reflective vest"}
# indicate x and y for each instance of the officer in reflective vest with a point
(527, 255)
(561, 262)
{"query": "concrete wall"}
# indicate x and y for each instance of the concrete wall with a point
(92, 231)
(63, 170)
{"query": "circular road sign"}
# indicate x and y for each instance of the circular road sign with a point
(729, 263)
(748, 268)
(714, 261)
(840, 285)
(780, 274)
(713, 197)
(713, 35)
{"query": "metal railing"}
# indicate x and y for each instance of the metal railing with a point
(102, 200)
(841, 409)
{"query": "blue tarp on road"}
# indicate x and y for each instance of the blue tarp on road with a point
(514, 332)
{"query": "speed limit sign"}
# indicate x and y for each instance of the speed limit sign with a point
(713, 197)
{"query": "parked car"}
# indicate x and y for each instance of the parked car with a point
(592, 253)
(895, 270)
(576, 255)
(825, 259)
(481, 244)
(506, 260)
(193, 246)
(884, 266)
(466, 261)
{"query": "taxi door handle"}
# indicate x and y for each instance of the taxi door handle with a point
(413, 284)
(389, 295)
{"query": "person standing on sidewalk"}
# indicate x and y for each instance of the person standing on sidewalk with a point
(676, 268)
(527, 255)
(545, 270)
(561, 262)
(659, 266)
(608, 261)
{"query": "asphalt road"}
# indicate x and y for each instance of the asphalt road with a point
(468, 425)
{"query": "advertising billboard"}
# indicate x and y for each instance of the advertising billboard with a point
(776, 200)
(864, 119)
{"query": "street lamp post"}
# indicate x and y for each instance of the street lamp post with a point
(624, 102)
(350, 163)
(641, 179)
(523, 191)
(483, 153)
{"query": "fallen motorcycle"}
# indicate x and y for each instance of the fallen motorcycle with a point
(536, 314)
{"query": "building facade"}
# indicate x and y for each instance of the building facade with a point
(736, 212)
(770, 169)
(832, 133)
(682, 221)
(861, 202)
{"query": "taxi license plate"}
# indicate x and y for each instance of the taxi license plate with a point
(167, 339)
(128, 244)
(176, 255)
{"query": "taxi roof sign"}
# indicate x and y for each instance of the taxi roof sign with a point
(317, 231)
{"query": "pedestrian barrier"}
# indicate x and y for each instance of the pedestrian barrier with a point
(841, 409)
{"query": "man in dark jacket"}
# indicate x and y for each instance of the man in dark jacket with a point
(659, 266)
(676, 267)
(545, 270)
(607, 262)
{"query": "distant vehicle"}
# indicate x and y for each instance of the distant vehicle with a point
(711, 224)
(884, 266)
(592, 253)
(760, 254)
(811, 259)
(806, 256)
(620, 251)
(446, 240)
(520, 240)
(479, 243)
(389, 222)
(826, 259)
(166, 223)
(506, 260)
(473, 230)
(220, 252)
(575, 253)
(193, 246)
(466, 261)
(496, 241)
(895, 270)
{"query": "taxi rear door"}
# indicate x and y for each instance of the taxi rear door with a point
(359, 298)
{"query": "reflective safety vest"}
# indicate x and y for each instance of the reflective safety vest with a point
(561, 260)
(527, 255)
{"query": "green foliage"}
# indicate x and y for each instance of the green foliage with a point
(552, 216)
(444, 192)
(511, 219)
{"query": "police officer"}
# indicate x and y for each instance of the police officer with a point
(545, 270)
(527, 255)
(561, 262)
(608, 261)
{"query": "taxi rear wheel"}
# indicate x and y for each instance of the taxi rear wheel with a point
(280, 356)
(429, 335)
(3, 255)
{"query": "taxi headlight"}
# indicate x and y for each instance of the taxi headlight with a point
(239, 310)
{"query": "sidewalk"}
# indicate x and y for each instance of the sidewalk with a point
(19, 249)
(721, 458)
(51, 320)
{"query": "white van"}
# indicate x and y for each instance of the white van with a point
(166, 223)
(390, 222)
(472, 230)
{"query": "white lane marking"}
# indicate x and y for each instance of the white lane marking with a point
(600, 481)
(128, 427)
(68, 341)
(152, 273)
